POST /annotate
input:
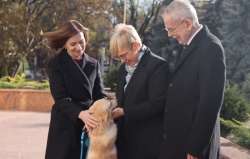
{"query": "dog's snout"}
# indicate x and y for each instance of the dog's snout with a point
(113, 104)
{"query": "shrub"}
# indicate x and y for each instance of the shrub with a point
(19, 81)
(239, 134)
(235, 105)
(246, 87)
(111, 78)
(227, 127)
(242, 136)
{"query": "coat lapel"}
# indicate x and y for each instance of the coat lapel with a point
(76, 72)
(121, 84)
(138, 74)
(87, 68)
(186, 52)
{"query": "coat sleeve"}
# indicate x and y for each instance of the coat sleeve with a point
(98, 91)
(63, 101)
(154, 105)
(211, 88)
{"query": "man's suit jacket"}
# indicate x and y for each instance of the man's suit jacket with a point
(73, 88)
(194, 99)
(140, 130)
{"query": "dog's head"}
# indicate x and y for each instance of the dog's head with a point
(102, 109)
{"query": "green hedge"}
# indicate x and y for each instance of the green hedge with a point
(238, 132)
(110, 78)
(242, 136)
(19, 82)
(235, 106)
(227, 126)
(234, 112)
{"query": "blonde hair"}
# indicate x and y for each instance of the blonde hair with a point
(122, 38)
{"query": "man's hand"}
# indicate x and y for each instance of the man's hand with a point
(117, 112)
(191, 157)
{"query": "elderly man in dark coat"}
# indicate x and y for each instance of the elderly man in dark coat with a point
(195, 90)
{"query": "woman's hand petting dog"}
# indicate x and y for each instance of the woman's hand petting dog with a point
(117, 112)
(89, 121)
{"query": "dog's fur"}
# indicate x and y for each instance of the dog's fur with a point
(102, 138)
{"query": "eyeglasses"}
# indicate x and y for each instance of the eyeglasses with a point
(123, 55)
(173, 30)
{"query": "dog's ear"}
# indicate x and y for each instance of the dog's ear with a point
(104, 119)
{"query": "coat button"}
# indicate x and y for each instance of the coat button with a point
(164, 136)
(171, 85)
(166, 110)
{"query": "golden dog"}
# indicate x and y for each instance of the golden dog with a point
(102, 138)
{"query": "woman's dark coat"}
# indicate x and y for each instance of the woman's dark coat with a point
(74, 88)
(140, 130)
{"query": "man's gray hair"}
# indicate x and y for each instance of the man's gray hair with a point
(181, 9)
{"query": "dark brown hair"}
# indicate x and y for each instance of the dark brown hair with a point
(57, 39)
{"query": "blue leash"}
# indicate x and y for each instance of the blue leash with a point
(84, 144)
(82, 136)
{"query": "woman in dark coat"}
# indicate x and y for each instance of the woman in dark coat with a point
(140, 95)
(75, 84)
